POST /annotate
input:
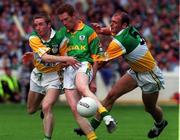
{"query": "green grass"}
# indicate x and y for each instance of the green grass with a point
(133, 124)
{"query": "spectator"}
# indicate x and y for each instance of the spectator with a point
(10, 88)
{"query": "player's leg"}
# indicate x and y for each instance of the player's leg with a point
(72, 98)
(82, 83)
(47, 104)
(150, 103)
(151, 82)
(125, 84)
(35, 95)
(34, 101)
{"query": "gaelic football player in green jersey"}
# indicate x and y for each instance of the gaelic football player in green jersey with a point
(83, 44)
(45, 83)
(143, 73)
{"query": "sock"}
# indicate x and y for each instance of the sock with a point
(47, 138)
(95, 123)
(103, 112)
(92, 136)
(102, 109)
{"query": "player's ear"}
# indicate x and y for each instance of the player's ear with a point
(124, 25)
(49, 25)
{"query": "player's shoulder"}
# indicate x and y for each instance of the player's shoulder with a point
(130, 29)
(33, 35)
(124, 32)
(60, 34)
(88, 29)
(62, 29)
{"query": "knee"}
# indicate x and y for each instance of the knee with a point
(46, 107)
(83, 90)
(31, 110)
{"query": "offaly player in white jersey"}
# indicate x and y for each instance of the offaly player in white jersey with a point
(143, 73)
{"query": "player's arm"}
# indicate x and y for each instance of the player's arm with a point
(114, 50)
(66, 59)
(41, 50)
(92, 84)
(101, 30)
(96, 52)
(28, 57)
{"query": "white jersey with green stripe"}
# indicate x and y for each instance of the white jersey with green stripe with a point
(129, 44)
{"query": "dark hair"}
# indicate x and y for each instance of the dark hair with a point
(125, 18)
(43, 15)
(68, 8)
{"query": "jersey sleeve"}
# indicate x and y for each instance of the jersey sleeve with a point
(63, 47)
(114, 50)
(37, 46)
(95, 46)
(63, 41)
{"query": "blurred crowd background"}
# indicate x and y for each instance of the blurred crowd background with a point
(157, 21)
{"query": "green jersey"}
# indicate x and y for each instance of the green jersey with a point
(130, 38)
(83, 44)
(129, 43)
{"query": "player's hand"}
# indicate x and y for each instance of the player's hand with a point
(73, 62)
(27, 58)
(63, 65)
(96, 27)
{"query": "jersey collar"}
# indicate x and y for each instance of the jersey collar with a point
(79, 26)
(51, 36)
(119, 32)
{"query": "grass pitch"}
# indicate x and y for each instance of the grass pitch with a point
(133, 124)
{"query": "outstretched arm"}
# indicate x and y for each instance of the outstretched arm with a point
(101, 30)
(66, 59)
(42, 51)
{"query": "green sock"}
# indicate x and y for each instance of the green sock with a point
(103, 114)
(95, 123)
(47, 138)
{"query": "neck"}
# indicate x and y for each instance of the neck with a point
(76, 24)
(47, 35)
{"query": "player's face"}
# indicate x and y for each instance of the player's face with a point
(116, 24)
(41, 26)
(67, 20)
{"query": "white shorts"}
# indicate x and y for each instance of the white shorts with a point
(70, 74)
(149, 82)
(41, 82)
